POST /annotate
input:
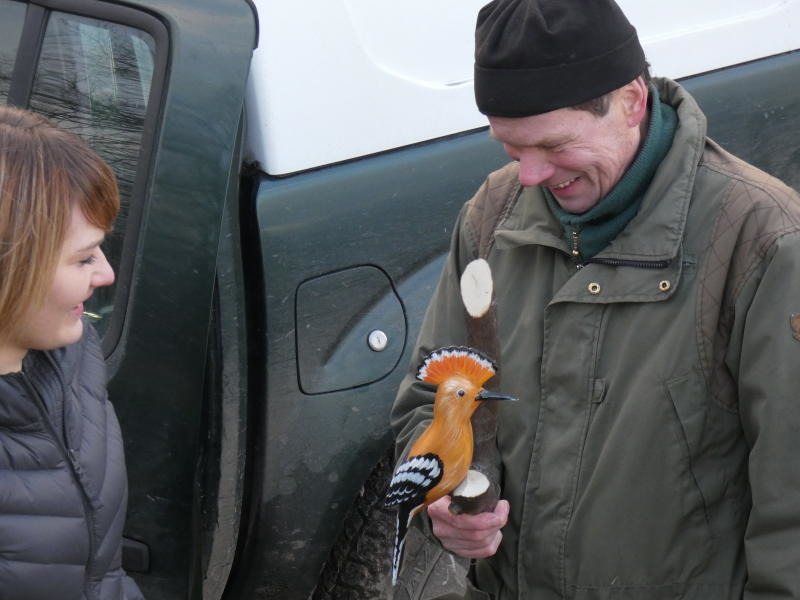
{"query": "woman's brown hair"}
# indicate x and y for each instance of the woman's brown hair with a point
(45, 173)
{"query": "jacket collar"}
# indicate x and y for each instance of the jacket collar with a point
(655, 233)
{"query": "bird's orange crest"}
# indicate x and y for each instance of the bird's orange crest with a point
(444, 363)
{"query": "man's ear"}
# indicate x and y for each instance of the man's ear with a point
(634, 101)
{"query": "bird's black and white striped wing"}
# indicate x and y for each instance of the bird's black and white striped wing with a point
(413, 479)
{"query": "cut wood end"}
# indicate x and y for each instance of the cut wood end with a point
(474, 484)
(476, 287)
(475, 494)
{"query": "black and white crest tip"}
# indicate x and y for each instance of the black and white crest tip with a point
(443, 363)
(413, 479)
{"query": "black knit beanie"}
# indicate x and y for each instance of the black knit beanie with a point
(534, 56)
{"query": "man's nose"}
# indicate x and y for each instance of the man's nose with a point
(534, 168)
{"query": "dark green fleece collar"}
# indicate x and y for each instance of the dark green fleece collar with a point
(602, 223)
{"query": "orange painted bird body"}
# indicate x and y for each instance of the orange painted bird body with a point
(449, 436)
(440, 459)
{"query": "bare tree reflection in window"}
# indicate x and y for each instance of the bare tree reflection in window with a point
(6, 65)
(93, 79)
(10, 32)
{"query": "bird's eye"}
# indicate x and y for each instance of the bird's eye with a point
(461, 393)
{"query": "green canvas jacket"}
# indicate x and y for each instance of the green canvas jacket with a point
(655, 449)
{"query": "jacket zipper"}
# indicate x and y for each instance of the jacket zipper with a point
(612, 262)
(575, 252)
(69, 460)
(639, 264)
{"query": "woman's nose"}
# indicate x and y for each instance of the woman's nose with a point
(104, 273)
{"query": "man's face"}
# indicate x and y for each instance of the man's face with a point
(577, 155)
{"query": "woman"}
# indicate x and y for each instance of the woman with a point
(63, 486)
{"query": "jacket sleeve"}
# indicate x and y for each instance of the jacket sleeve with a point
(130, 590)
(768, 366)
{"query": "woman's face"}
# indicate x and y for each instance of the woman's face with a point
(81, 268)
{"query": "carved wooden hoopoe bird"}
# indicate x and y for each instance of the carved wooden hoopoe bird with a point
(440, 458)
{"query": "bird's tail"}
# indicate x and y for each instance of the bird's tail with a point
(403, 519)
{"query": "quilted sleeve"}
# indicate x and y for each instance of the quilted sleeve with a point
(768, 365)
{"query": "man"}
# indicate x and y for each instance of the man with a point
(648, 288)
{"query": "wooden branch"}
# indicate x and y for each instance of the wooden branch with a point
(480, 490)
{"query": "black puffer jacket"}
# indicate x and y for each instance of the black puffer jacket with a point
(63, 485)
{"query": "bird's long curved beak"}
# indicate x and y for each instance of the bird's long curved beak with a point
(490, 395)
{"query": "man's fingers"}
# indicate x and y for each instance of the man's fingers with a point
(443, 530)
(471, 536)
(502, 509)
(439, 511)
(480, 549)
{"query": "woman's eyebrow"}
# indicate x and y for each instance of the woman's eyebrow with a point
(91, 246)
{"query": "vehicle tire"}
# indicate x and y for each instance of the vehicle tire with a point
(359, 566)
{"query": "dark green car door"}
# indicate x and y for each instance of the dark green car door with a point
(154, 90)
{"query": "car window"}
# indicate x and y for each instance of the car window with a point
(93, 78)
(10, 32)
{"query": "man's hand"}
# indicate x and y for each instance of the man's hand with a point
(470, 536)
